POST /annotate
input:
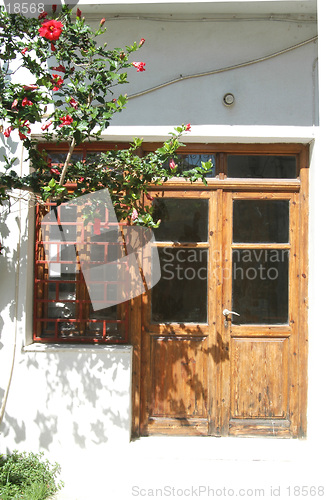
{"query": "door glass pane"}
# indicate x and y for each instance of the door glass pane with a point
(260, 221)
(262, 167)
(260, 280)
(181, 294)
(182, 220)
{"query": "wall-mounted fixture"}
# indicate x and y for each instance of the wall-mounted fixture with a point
(228, 99)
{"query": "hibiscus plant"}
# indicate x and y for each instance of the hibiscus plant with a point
(73, 95)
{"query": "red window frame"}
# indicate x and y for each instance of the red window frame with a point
(48, 329)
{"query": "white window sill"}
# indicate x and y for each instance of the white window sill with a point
(38, 347)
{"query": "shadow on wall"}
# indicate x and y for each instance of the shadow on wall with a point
(12, 260)
(11, 257)
(74, 398)
(13, 238)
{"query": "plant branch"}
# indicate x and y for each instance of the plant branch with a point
(68, 158)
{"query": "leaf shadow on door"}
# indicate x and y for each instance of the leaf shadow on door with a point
(181, 367)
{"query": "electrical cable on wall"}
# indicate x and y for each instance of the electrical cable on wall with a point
(221, 19)
(182, 78)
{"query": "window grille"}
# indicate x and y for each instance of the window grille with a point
(63, 311)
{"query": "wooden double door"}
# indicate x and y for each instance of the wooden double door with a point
(222, 349)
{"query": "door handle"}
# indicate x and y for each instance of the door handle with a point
(226, 313)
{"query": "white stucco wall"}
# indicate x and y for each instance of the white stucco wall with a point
(74, 401)
(69, 398)
(278, 91)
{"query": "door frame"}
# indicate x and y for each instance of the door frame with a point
(222, 184)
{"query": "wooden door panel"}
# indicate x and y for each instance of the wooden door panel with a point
(179, 377)
(259, 381)
(261, 427)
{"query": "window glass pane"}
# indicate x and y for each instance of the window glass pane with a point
(52, 290)
(98, 253)
(61, 310)
(186, 162)
(260, 221)
(65, 233)
(60, 158)
(183, 220)
(67, 291)
(260, 286)
(109, 313)
(46, 327)
(62, 271)
(67, 213)
(68, 253)
(68, 271)
(262, 167)
(181, 293)
(96, 327)
(108, 234)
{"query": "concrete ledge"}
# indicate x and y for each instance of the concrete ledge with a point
(209, 133)
(77, 348)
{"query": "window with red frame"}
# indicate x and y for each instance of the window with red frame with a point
(63, 311)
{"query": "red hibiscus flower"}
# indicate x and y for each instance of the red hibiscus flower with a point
(55, 171)
(26, 102)
(42, 15)
(24, 51)
(7, 132)
(57, 81)
(66, 120)
(51, 29)
(172, 164)
(54, 8)
(140, 66)
(73, 103)
(45, 126)
(188, 127)
(59, 68)
(22, 136)
(30, 87)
